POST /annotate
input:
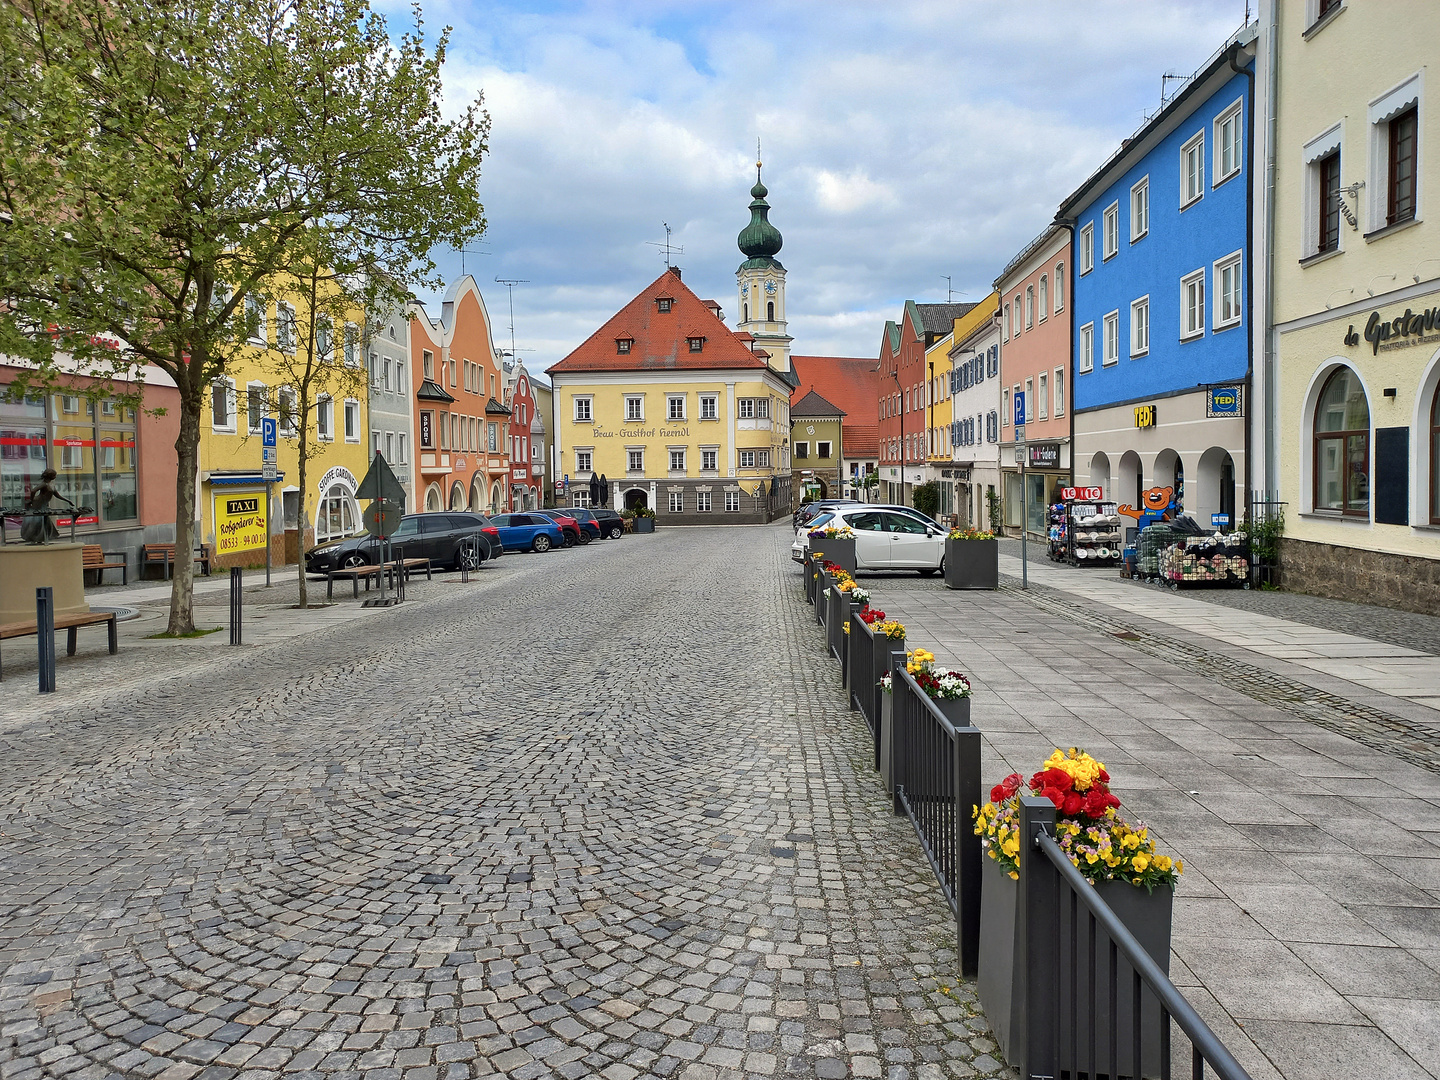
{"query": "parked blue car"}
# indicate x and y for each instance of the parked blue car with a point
(527, 532)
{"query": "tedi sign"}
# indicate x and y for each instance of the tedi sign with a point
(1397, 333)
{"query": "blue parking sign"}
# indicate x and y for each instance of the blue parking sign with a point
(1019, 407)
(267, 431)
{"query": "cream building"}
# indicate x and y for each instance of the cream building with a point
(1349, 396)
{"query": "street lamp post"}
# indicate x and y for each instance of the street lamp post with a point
(895, 374)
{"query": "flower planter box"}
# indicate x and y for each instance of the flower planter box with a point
(1147, 915)
(837, 612)
(840, 552)
(812, 569)
(644, 524)
(972, 564)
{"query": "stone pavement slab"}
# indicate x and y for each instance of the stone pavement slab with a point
(602, 813)
(1309, 825)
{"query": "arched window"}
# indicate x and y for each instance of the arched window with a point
(745, 307)
(770, 310)
(1044, 297)
(1342, 445)
(1029, 306)
(457, 497)
(337, 514)
(1435, 459)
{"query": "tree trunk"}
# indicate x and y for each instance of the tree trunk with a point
(187, 453)
(300, 521)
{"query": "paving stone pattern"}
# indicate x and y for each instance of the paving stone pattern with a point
(601, 814)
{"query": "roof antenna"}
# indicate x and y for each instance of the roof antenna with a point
(464, 250)
(667, 249)
(510, 284)
(1165, 80)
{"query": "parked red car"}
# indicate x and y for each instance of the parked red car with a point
(574, 534)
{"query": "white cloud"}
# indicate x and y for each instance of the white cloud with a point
(902, 142)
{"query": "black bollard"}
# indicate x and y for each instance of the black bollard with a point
(236, 596)
(45, 624)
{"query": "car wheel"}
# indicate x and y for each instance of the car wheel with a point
(542, 543)
(468, 557)
(616, 532)
(929, 571)
(354, 559)
(584, 538)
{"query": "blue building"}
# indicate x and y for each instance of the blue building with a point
(1161, 321)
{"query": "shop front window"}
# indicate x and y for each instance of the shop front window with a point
(1035, 509)
(1435, 459)
(1342, 446)
(337, 514)
(22, 451)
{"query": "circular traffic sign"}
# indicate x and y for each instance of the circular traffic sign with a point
(382, 517)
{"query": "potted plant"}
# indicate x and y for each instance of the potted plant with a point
(644, 519)
(972, 560)
(838, 543)
(1117, 858)
(948, 688)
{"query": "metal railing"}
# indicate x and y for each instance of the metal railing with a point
(1095, 1001)
(835, 617)
(935, 775)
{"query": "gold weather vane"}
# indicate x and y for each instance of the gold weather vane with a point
(757, 159)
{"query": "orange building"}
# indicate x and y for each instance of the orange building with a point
(461, 426)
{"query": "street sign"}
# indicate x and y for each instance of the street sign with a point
(267, 431)
(1019, 433)
(1019, 408)
(381, 483)
(1216, 520)
(382, 517)
(268, 472)
(267, 454)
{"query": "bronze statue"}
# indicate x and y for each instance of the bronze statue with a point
(39, 526)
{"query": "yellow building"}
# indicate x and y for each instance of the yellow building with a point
(678, 413)
(264, 381)
(951, 367)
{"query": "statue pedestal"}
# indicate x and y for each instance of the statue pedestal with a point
(27, 567)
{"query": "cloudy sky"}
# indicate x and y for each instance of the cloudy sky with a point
(903, 140)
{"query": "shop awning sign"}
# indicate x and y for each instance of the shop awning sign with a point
(1224, 401)
(239, 523)
(1044, 455)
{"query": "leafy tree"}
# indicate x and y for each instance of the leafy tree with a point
(927, 498)
(163, 159)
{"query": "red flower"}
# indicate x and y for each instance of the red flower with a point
(1048, 778)
(1104, 777)
(1007, 787)
(1055, 795)
(1097, 801)
(1074, 802)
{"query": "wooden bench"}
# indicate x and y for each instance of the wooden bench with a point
(372, 573)
(156, 554)
(71, 625)
(100, 561)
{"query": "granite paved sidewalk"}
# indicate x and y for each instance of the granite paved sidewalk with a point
(1302, 790)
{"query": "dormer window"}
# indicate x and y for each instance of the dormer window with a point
(622, 345)
(663, 304)
(697, 344)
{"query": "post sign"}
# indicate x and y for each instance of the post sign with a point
(1090, 494)
(239, 522)
(269, 473)
(1224, 401)
(267, 431)
(1217, 520)
(1019, 408)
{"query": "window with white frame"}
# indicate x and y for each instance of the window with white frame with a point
(1140, 326)
(289, 417)
(1226, 158)
(1029, 400)
(255, 406)
(1059, 287)
(402, 449)
(1140, 209)
(385, 370)
(709, 459)
(635, 461)
(1192, 170)
(583, 408)
(677, 502)
(1006, 327)
(677, 461)
(675, 407)
(255, 318)
(1005, 407)
(746, 408)
(822, 449)
(1321, 195)
(1087, 247)
(1086, 349)
(1059, 391)
(390, 446)
(1029, 306)
(732, 502)
(352, 420)
(762, 459)
(1044, 300)
(747, 459)
(375, 445)
(1228, 307)
(325, 418)
(1192, 305)
(1019, 315)
(584, 461)
(1395, 155)
(1042, 398)
(709, 407)
(802, 449)
(1111, 233)
(324, 339)
(222, 405)
(1112, 338)
(285, 327)
(702, 502)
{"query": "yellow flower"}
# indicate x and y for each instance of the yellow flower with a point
(1162, 862)
(1014, 875)
(1141, 861)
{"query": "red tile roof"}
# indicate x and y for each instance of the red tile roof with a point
(661, 338)
(851, 383)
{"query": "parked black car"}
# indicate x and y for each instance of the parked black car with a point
(588, 526)
(609, 522)
(574, 532)
(812, 509)
(448, 539)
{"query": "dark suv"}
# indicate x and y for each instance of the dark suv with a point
(446, 539)
(609, 522)
(584, 521)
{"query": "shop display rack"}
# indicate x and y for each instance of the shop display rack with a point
(1094, 534)
(1220, 559)
(1059, 549)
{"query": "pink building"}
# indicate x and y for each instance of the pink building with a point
(1035, 364)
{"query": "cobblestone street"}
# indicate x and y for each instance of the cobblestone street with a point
(602, 813)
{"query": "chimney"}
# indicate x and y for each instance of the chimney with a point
(675, 270)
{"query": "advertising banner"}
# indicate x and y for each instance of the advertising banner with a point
(239, 522)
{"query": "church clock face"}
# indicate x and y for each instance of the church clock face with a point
(770, 286)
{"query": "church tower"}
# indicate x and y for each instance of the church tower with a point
(761, 281)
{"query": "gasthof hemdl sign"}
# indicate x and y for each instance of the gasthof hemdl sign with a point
(239, 523)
